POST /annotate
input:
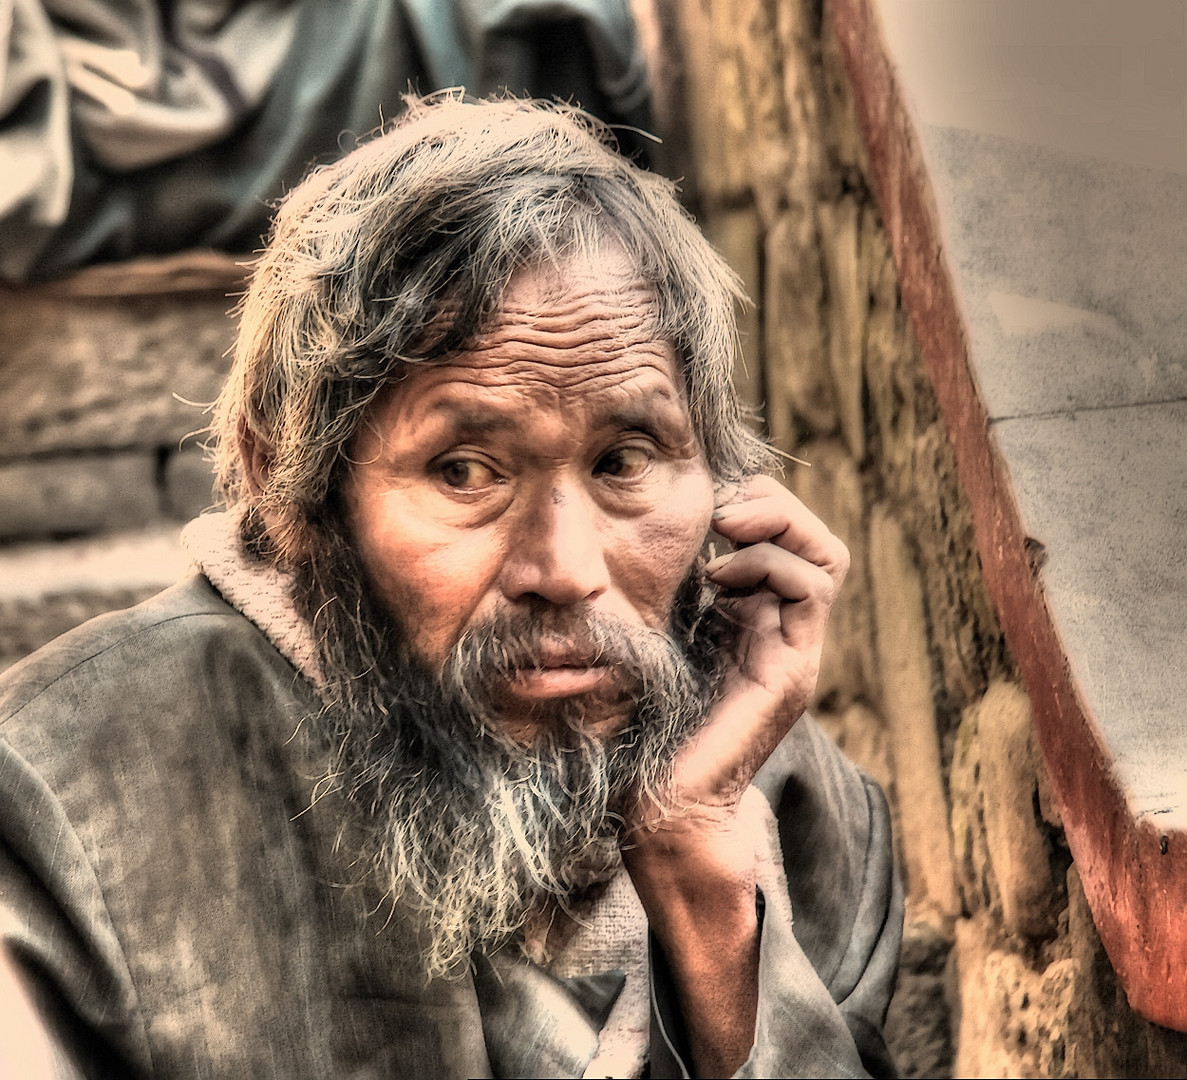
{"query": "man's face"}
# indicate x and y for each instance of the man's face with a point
(552, 470)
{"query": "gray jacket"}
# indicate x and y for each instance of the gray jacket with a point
(181, 910)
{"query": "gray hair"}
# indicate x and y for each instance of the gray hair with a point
(400, 252)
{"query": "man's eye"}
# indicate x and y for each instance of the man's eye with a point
(466, 474)
(624, 463)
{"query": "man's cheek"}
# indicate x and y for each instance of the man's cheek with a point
(440, 592)
(662, 556)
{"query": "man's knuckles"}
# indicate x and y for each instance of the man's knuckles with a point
(784, 521)
(839, 560)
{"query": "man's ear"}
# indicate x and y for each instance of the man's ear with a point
(255, 454)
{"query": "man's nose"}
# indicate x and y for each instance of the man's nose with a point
(556, 552)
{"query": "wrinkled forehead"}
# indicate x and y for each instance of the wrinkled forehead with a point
(543, 277)
(589, 300)
(569, 313)
(604, 268)
(578, 340)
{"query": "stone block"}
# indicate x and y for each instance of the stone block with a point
(1013, 1016)
(1059, 1012)
(832, 489)
(895, 383)
(905, 671)
(861, 734)
(86, 373)
(890, 391)
(969, 643)
(919, 1023)
(189, 482)
(800, 399)
(93, 493)
(840, 237)
(738, 236)
(717, 122)
(974, 869)
(770, 144)
(1008, 862)
(798, 44)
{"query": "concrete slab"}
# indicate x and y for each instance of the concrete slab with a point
(1056, 141)
(1106, 493)
(1070, 272)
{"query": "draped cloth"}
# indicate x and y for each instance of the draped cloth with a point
(142, 127)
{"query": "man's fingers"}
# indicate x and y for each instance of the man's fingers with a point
(779, 586)
(780, 518)
(787, 575)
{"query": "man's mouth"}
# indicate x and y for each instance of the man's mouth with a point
(559, 669)
(556, 681)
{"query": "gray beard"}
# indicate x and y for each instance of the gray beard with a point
(470, 829)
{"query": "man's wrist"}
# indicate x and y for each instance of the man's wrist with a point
(703, 913)
(693, 881)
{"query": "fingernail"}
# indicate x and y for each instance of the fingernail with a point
(713, 565)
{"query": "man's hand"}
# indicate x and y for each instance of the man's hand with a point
(694, 870)
(781, 583)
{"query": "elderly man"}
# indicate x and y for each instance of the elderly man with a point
(464, 754)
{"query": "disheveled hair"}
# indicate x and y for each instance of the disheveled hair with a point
(400, 252)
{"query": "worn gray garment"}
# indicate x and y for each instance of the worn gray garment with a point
(181, 910)
(151, 126)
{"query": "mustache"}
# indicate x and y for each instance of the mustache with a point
(488, 655)
(546, 637)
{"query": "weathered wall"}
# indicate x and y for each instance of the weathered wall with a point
(104, 376)
(1003, 974)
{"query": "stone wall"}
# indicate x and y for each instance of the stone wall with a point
(105, 376)
(1003, 973)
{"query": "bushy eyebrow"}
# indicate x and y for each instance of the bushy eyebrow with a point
(665, 414)
(656, 408)
(470, 422)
